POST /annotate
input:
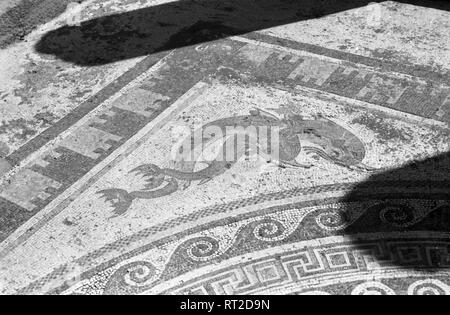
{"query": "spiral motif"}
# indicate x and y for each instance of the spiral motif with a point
(372, 288)
(397, 215)
(333, 219)
(269, 230)
(202, 248)
(139, 274)
(429, 287)
(131, 278)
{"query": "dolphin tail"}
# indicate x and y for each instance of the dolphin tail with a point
(119, 199)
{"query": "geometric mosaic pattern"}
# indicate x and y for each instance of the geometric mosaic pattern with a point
(289, 238)
(286, 256)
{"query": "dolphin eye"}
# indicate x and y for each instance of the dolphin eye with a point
(336, 153)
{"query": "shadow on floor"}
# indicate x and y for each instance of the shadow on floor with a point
(182, 23)
(190, 22)
(413, 200)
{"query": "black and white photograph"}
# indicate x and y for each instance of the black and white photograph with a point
(226, 155)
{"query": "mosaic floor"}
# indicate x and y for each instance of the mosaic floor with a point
(97, 199)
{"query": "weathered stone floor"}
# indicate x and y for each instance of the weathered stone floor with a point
(97, 198)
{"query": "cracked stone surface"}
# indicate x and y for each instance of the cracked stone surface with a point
(341, 186)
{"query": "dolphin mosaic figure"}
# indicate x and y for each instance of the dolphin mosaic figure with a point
(326, 139)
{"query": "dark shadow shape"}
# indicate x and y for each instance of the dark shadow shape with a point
(426, 185)
(183, 23)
